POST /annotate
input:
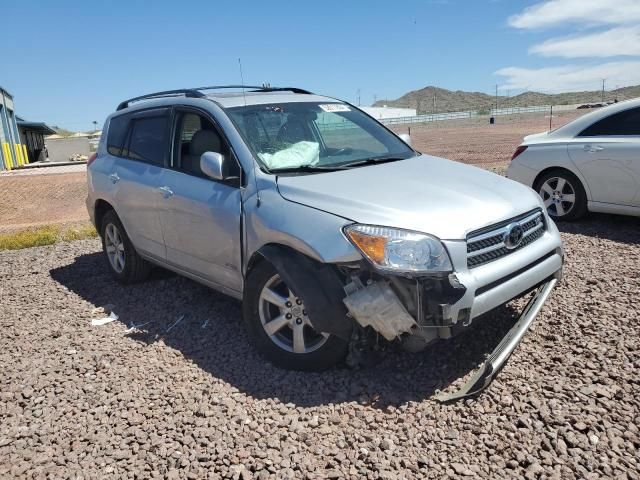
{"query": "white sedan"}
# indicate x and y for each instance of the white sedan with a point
(590, 164)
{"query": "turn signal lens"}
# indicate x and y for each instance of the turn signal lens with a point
(371, 246)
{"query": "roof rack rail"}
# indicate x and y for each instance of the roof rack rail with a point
(196, 92)
(254, 88)
(187, 92)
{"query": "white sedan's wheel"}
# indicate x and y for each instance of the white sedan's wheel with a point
(562, 193)
(559, 196)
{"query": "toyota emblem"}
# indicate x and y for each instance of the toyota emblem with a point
(513, 236)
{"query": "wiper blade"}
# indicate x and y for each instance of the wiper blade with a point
(305, 169)
(372, 160)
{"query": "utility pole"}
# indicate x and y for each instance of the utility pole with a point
(603, 89)
(358, 97)
(95, 126)
(434, 102)
(496, 98)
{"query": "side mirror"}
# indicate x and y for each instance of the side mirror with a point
(406, 138)
(212, 165)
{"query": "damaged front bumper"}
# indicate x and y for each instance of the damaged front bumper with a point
(421, 310)
(487, 371)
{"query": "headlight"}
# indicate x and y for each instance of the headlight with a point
(399, 250)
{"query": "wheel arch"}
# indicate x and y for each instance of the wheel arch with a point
(320, 284)
(101, 209)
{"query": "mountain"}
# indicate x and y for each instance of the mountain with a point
(63, 132)
(433, 99)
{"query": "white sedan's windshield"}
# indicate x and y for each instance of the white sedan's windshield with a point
(331, 135)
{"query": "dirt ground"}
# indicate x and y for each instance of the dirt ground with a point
(477, 142)
(49, 197)
(42, 199)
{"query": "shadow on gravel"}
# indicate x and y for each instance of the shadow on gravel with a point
(212, 336)
(617, 228)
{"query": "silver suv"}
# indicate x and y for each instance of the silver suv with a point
(326, 225)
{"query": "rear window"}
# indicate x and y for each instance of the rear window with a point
(622, 123)
(117, 134)
(149, 139)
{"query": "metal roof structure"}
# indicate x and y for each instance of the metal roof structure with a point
(241, 90)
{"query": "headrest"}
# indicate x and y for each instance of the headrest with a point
(205, 141)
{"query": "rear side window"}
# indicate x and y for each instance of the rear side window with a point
(622, 123)
(117, 134)
(149, 139)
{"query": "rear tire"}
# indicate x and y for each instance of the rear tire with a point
(279, 327)
(123, 261)
(563, 195)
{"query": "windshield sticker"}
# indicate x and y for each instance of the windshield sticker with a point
(335, 107)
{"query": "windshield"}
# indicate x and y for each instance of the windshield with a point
(322, 136)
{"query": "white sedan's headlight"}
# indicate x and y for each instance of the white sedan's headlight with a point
(398, 250)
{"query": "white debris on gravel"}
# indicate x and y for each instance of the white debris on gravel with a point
(200, 403)
(98, 322)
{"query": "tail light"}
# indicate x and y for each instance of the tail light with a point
(92, 158)
(518, 151)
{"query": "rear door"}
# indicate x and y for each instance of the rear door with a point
(137, 172)
(608, 155)
(200, 216)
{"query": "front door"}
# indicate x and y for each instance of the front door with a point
(201, 217)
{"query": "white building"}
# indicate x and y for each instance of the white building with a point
(383, 112)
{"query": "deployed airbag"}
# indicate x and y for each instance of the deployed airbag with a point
(297, 155)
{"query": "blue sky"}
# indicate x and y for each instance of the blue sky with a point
(70, 62)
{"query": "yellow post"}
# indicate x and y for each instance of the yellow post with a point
(18, 150)
(7, 156)
(25, 155)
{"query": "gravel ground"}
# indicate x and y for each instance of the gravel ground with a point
(192, 400)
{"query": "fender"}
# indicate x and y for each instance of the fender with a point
(319, 285)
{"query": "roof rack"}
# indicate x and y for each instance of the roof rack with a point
(196, 92)
(187, 92)
(257, 89)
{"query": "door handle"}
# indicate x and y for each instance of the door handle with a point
(593, 148)
(166, 191)
(114, 178)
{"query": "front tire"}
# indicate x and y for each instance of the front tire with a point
(563, 195)
(279, 326)
(123, 261)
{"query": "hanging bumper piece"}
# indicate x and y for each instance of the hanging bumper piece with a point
(490, 368)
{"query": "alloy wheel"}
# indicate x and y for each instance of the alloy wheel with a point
(284, 319)
(114, 245)
(558, 195)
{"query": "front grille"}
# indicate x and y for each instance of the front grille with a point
(488, 244)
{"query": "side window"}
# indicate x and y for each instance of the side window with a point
(117, 134)
(195, 135)
(149, 139)
(622, 123)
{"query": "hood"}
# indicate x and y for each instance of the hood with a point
(427, 194)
